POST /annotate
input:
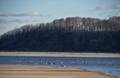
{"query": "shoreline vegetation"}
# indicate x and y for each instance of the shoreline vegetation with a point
(26, 71)
(60, 54)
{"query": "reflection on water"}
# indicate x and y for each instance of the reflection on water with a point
(99, 64)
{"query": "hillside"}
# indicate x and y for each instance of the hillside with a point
(70, 34)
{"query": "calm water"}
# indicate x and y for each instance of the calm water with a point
(104, 65)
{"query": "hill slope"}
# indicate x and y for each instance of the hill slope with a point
(45, 38)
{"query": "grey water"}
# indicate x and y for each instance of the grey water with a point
(107, 65)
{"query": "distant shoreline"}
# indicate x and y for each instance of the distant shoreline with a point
(60, 54)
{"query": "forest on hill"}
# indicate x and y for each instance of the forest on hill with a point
(73, 34)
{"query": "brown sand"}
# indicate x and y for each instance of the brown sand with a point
(12, 71)
(60, 54)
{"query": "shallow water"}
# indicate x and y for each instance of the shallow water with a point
(98, 64)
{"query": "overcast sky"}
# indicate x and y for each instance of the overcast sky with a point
(15, 13)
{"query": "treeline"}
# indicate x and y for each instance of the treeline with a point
(50, 37)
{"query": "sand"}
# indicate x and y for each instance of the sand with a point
(21, 71)
(60, 54)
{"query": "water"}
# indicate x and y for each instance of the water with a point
(98, 64)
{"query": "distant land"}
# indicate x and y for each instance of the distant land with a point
(72, 34)
(62, 54)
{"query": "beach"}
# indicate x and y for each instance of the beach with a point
(60, 54)
(43, 65)
(21, 71)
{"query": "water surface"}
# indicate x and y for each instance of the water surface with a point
(108, 65)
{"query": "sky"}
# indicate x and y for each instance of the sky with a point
(16, 13)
